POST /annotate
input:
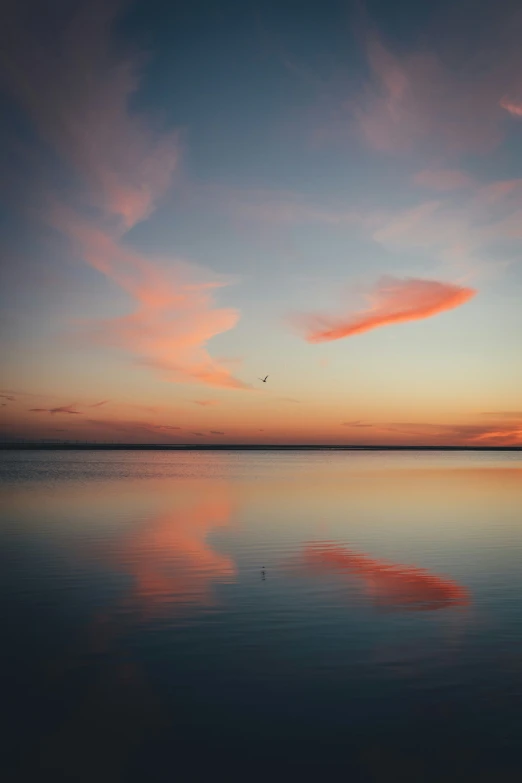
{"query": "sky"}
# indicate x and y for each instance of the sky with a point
(196, 195)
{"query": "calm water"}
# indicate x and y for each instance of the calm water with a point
(260, 616)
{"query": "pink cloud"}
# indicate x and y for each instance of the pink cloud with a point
(206, 403)
(77, 93)
(515, 109)
(99, 404)
(441, 96)
(443, 179)
(495, 192)
(78, 96)
(394, 301)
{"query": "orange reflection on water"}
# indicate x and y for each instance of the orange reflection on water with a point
(390, 585)
(170, 560)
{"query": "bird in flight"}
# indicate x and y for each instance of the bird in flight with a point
(264, 379)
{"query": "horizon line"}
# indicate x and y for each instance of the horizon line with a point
(39, 445)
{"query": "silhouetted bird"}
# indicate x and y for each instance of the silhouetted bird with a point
(264, 379)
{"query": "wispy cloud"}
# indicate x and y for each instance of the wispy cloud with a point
(443, 179)
(467, 234)
(442, 95)
(16, 393)
(216, 432)
(99, 404)
(8, 397)
(70, 409)
(392, 301)
(355, 424)
(132, 426)
(78, 95)
(463, 226)
(284, 209)
(504, 414)
(497, 434)
(206, 403)
(174, 316)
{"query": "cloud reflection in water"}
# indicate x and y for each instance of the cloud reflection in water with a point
(170, 560)
(391, 586)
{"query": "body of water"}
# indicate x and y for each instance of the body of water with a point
(261, 616)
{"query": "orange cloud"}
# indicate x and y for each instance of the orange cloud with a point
(175, 317)
(390, 585)
(515, 109)
(503, 436)
(206, 403)
(508, 434)
(394, 301)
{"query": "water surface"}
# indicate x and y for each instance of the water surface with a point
(259, 616)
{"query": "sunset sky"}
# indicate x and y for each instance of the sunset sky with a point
(195, 195)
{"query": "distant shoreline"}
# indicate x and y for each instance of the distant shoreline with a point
(232, 447)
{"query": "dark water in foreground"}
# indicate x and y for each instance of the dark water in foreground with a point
(261, 616)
